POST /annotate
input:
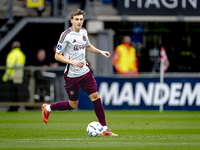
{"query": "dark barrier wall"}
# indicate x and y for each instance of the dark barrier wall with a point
(146, 93)
(157, 7)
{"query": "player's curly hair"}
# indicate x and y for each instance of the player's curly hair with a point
(77, 12)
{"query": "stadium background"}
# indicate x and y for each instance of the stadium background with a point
(134, 101)
(107, 21)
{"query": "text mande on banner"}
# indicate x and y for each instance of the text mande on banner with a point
(158, 7)
(146, 93)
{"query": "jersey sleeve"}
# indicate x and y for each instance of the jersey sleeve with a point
(87, 40)
(61, 47)
(62, 44)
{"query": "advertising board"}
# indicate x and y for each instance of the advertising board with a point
(146, 93)
(158, 7)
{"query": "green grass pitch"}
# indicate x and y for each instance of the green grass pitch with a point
(146, 130)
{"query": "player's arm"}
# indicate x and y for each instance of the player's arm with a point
(61, 58)
(93, 49)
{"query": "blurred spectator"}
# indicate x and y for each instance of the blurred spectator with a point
(52, 61)
(144, 62)
(186, 57)
(125, 58)
(42, 83)
(41, 58)
(14, 73)
(154, 59)
(40, 10)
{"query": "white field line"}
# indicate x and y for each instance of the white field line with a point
(101, 138)
(89, 141)
(46, 139)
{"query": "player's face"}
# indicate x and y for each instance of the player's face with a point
(77, 22)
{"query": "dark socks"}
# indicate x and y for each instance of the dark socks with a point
(63, 105)
(99, 111)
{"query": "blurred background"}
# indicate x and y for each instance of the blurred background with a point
(38, 24)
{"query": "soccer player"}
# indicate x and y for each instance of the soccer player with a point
(71, 49)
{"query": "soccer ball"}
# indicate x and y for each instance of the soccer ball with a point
(94, 129)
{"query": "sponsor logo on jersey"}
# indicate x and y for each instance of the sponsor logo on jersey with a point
(59, 47)
(79, 47)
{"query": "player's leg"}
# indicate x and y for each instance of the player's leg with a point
(63, 105)
(98, 108)
(90, 87)
(72, 89)
(99, 111)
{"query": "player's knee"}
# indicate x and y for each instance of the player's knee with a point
(94, 96)
(73, 104)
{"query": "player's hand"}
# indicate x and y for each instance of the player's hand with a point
(78, 64)
(105, 53)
